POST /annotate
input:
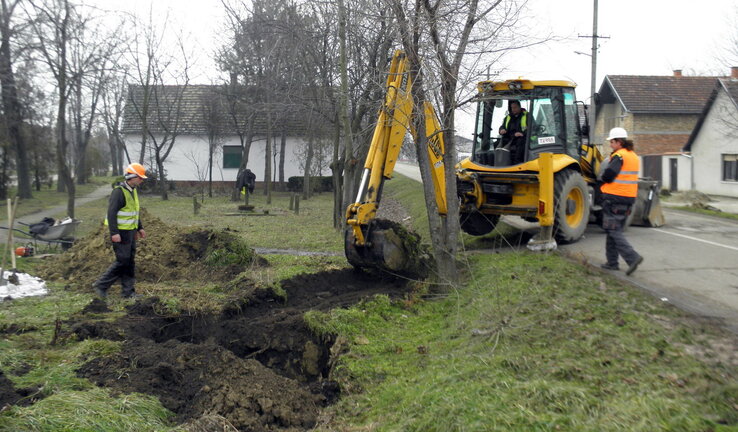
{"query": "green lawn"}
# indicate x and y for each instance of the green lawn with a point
(529, 342)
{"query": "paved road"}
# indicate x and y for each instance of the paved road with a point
(692, 261)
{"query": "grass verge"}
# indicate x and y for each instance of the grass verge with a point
(720, 214)
(533, 342)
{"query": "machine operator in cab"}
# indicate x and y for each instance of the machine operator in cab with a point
(619, 193)
(513, 131)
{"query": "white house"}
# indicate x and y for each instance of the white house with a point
(200, 115)
(713, 144)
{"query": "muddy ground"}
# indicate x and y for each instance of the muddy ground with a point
(255, 363)
(252, 366)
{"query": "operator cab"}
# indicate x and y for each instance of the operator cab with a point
(552, 121)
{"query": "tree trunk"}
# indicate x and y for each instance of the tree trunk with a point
(210, 167)
(337, 171)
(350, 166)
(282, 151)
(162, 180)
(12, 110)
(306, 189)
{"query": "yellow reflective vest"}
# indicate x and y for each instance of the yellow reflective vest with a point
(128, 214)
(523, 121)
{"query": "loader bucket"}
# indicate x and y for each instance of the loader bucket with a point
(647, 209)
(389, 247)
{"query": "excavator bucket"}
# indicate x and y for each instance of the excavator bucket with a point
(389, 247)
(647, 209)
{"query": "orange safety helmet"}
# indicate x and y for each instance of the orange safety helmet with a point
(136, 169)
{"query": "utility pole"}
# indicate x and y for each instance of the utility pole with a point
(593, 82)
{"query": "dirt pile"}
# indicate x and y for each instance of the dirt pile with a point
(168, 253)
(255, 365)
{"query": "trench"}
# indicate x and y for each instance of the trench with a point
(255, 363)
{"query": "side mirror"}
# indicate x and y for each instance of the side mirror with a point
(498, 103)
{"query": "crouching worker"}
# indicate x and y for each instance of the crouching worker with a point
(619, 193)
(125, 228)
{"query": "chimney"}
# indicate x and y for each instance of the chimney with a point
(677, 72)
(734, 72)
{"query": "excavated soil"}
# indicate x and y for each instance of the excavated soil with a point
(255, 365)
(169, 253)
(252, 366)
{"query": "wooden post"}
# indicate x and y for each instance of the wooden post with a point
(292, 202)
(196, 205)
(297, 204)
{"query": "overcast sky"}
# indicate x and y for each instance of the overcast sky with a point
(646, 37)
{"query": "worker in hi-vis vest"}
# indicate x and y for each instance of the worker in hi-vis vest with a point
(125, 228)
(619, 193)
(513, 131)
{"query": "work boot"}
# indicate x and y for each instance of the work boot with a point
(99, 291)
(634, 266)
(608, 266)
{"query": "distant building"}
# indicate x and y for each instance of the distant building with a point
(713, 144)
(659, 113)
(200, 114)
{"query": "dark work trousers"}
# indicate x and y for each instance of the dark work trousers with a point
(615, 211)
(123, 267)
(516, 145)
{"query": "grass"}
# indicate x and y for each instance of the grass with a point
(529, 342)
(533, 342)
(720, 214)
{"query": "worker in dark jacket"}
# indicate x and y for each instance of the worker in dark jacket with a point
(513, 131)
(619, 193)
(125, 228)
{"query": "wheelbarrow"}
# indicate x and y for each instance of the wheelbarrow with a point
(51, 231)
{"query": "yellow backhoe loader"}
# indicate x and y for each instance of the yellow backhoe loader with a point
(548, 175)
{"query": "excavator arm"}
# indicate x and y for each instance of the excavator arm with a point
(381, 244)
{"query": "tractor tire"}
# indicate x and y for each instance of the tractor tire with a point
(572, 206)
(478, 224)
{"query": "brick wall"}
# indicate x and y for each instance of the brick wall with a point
(652, 133)
(659, 144)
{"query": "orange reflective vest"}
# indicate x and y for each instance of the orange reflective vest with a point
(626, 182)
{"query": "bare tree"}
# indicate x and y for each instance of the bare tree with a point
(11, 103)
(92, 60)
(445, 31)
(159, 82)
(55, 25)
(113, 100)
(214, 119)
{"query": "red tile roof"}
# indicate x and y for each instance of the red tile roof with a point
(662, 94)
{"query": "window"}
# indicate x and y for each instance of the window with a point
(730, 167)
(231, 156)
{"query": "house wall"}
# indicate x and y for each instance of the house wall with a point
(610, 116)
(188, 160)
(661, 133)
(713, 140)
(684, 171)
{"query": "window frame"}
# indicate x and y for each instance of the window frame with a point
(231, 156)
(729, 167)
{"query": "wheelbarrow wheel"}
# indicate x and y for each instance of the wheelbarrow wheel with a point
(66, 243)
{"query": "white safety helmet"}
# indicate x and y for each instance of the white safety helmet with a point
(617, 132)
